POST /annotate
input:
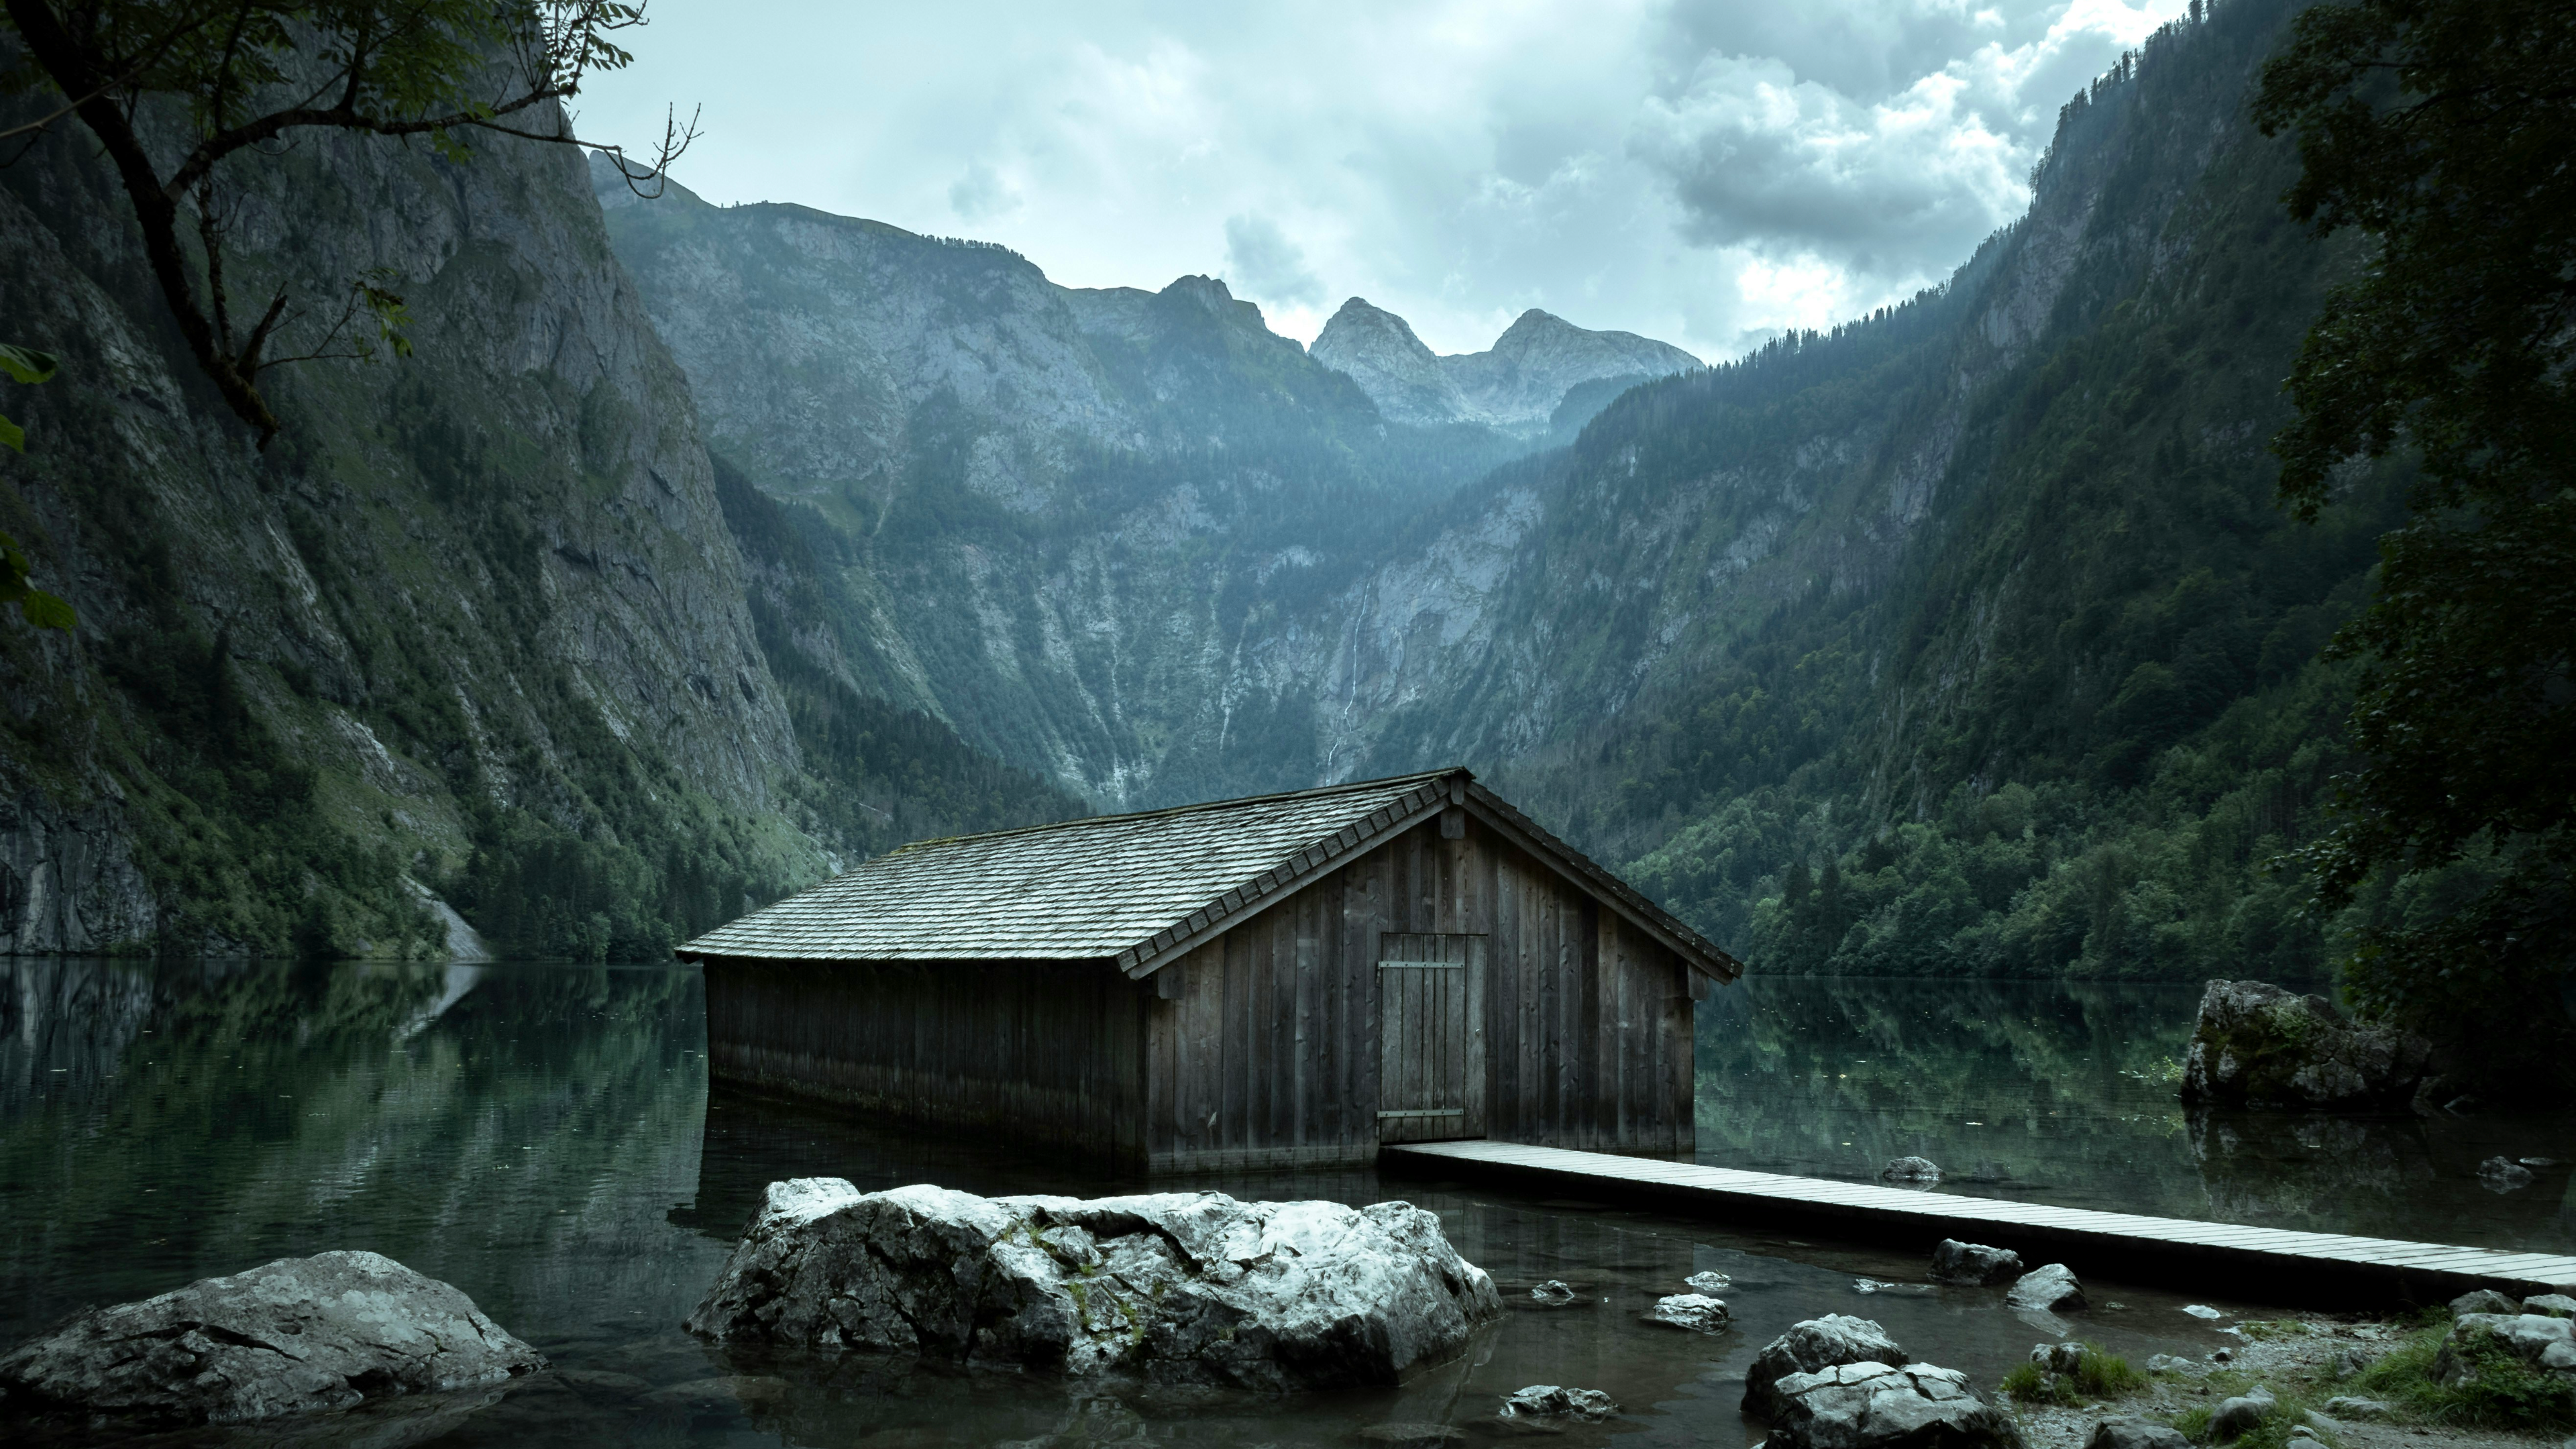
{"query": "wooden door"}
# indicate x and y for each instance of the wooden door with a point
(1431, 1038)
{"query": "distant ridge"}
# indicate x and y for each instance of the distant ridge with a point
(1516, 385)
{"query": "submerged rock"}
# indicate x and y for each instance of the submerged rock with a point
(1816, 1344)
(1177, 1287)
(1548, 1401)
(1973, 1264)
(1695, 1311)
(2134, 1434)
(2540, 1342)
(1711, 1283)
(295, 1336)
(2503, 1174)
(1888, 1406)
(1552, 1293)
(2051, 1289)
(2258, 1045)
(1912, 1171)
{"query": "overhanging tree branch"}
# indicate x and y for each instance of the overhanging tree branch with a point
(396, 70)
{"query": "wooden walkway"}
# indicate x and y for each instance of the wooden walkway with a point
(2309, 1267)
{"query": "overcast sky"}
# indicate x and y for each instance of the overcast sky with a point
(1703, 171)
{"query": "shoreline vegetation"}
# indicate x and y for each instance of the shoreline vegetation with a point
(2344, 1381)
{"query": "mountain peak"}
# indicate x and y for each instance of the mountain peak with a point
(1514, 385)
(1378, 350)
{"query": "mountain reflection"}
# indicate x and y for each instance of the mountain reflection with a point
(2064, 1092)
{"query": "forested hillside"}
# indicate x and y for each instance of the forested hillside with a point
(2029, 684)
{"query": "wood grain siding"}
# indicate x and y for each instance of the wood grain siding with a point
(1047, 1050)
(1268, 1051)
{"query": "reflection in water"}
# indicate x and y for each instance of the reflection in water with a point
(545, 1139)
(2062, 1093)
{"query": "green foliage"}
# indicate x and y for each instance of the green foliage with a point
(2097, 1376)
(2501, 1392)
(41, 609)
(230, 828)
(249, 77)
(2440, 130)
(2080, 720)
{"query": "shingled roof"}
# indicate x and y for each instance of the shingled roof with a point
(1138, 890)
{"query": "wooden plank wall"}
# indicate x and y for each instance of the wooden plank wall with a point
(1267, 1053)
(1045, 1051)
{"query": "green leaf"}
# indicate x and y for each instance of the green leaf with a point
(46, 611)
(13, 435)
(26, 364)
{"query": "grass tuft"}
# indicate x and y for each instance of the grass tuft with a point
(2502, 1392)
(2098, 1375)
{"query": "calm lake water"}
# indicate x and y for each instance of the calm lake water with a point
(545, 1138)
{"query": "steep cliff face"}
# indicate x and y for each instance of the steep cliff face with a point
(1520, 385)
(1967, 638)
(1058, 519)
(473, 625)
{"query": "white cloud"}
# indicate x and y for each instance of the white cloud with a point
(1263, 264)
(1706, 171)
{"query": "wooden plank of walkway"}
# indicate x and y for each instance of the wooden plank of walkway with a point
(2333, 1267)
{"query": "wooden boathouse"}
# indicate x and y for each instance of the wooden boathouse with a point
(1287, 980)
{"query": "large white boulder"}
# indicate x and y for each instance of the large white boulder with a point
(1174, 1287)
(1888, 1406)
(1817, 1343)
(294, 1336)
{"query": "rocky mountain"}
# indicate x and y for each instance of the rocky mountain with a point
(699, 546)
(1964, 638)
(1522, 385)
(471, 635)
(1064, 521)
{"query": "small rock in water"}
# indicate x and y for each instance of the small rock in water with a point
(2166, 1363)
(294, 1336)
(1710, 1283)
(1912, 1171)
(1973, 1264)
(2503, 1174)
(1809, 1347)
(2135, 1434)
(2550, 1305)
(2202, 1310)
(2346, 1407)
(1547, 1401)
(2538, 1161)
(2483, 1300)
(1869, 1405)
(2233, 1418)
(1869, 1285)
(2057, 1358)
(1553, 1293)
(1399, 1435)
(2051, 1289)
(1695, 1311)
